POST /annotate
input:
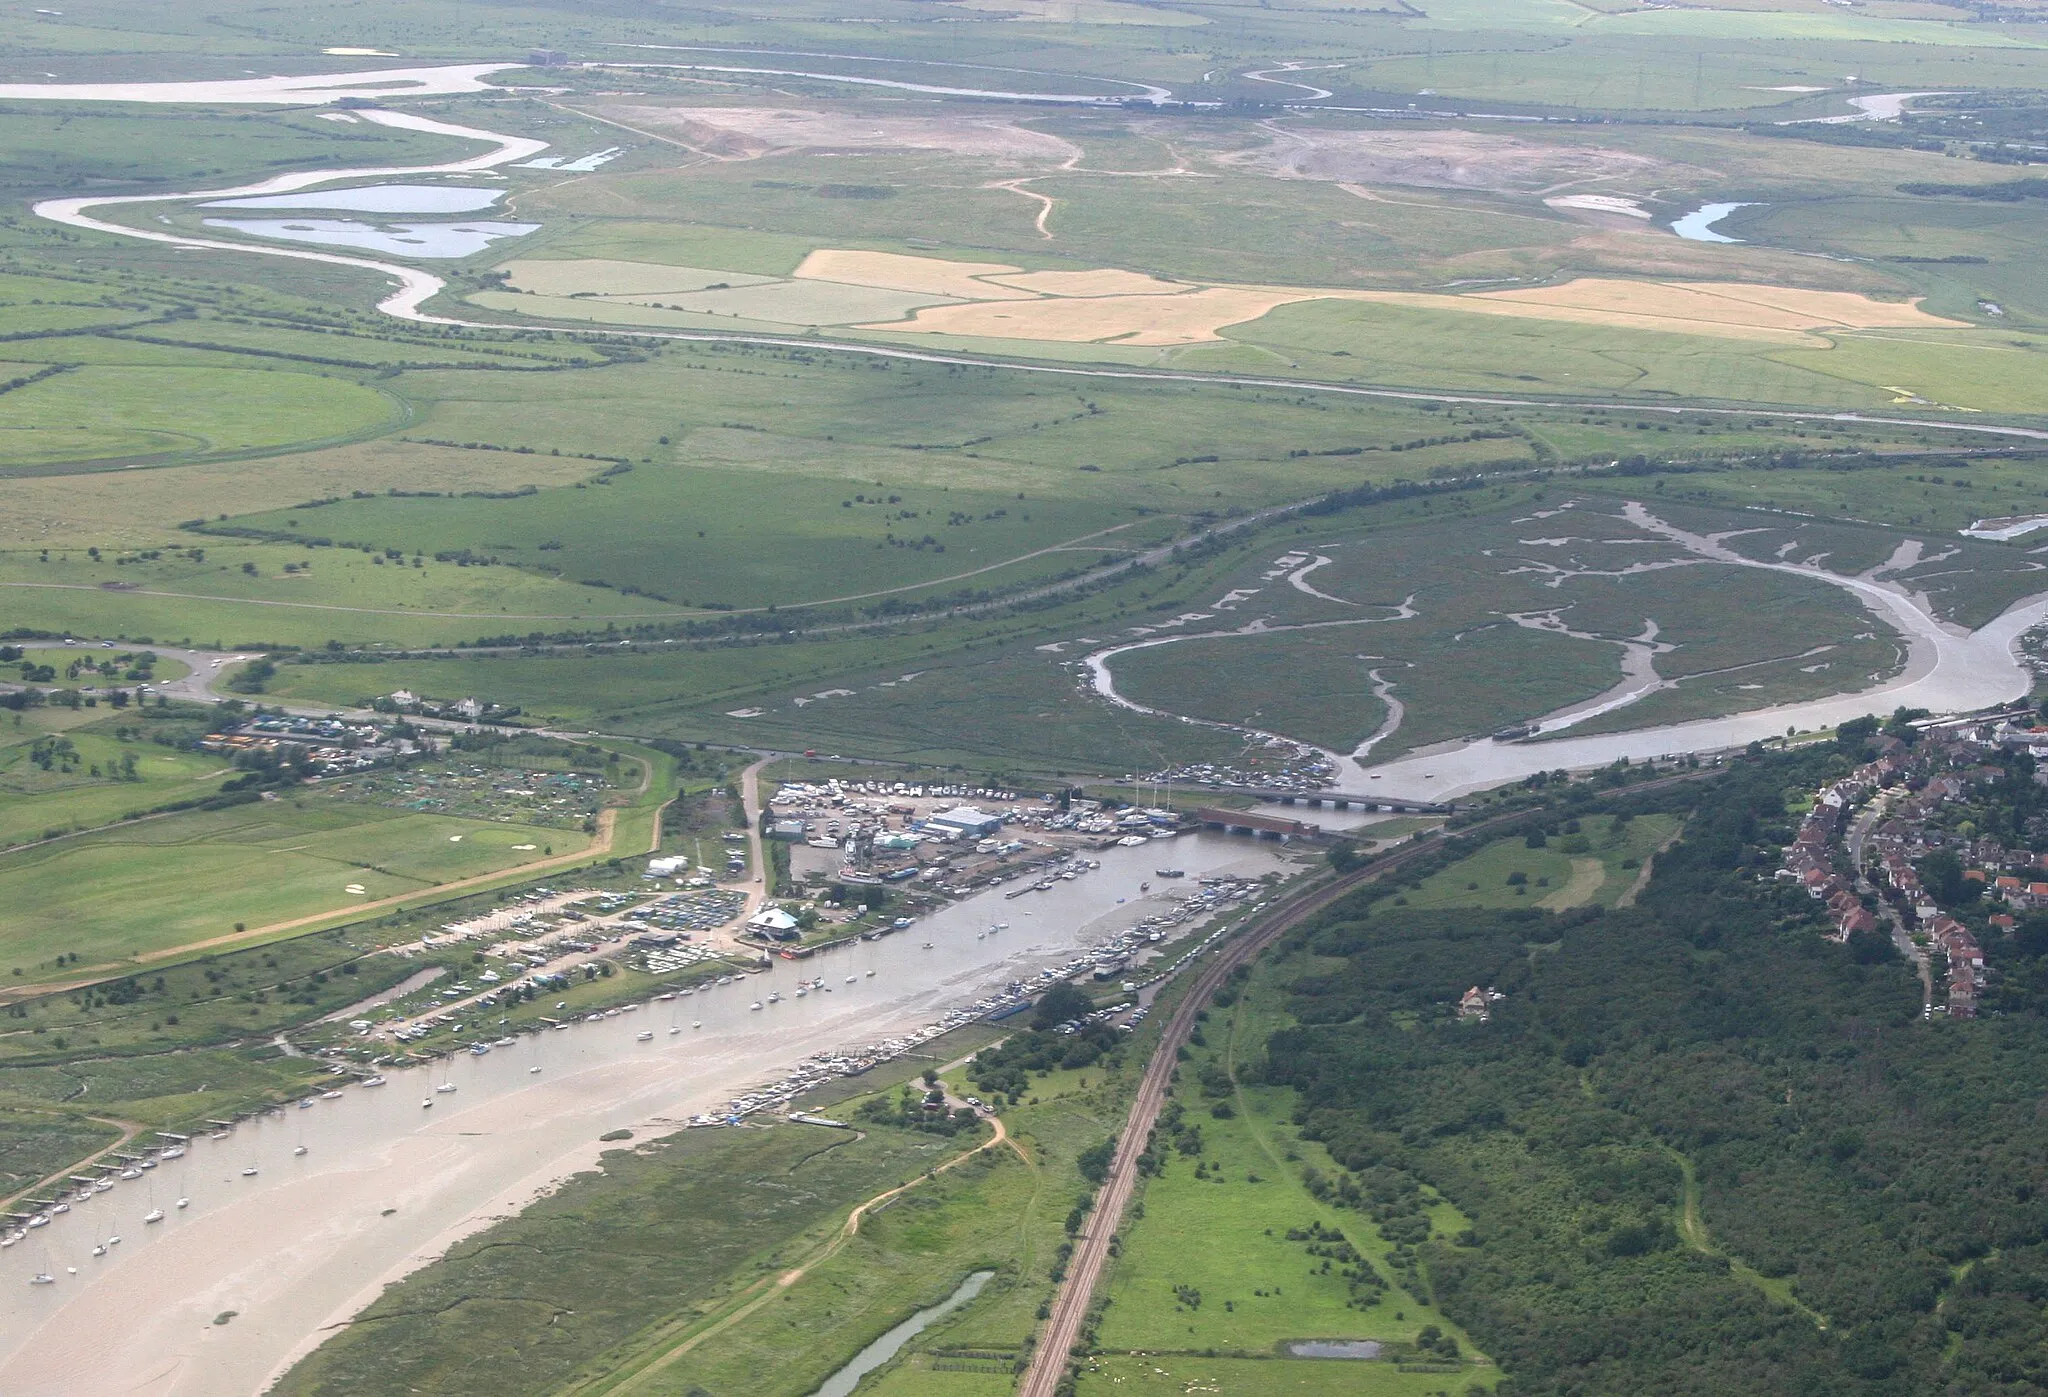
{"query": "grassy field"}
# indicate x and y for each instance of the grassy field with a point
(1210, 1286)
(125, 895)
(687, 1303)
(1595, 865)
(48, 789)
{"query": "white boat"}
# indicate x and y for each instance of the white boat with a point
(871, 975)
(775, 997)
(755, 1005)
(801, 993)
(100, 1249)
(153, 1215)
(250, 1172)
(531, 1070)
(298, 1150)
(445, 1088)
(305, 1104)
(182, 1203)
(115, 1240)
(506, 1042)
(695, 1024)
(373, 1081)
(851, 978)
(174, 1152)
(42, 1278)
(330, 1096)
(645, 1035)
(927, 945)
(675, 1028)
(426, 1103)
(131, 1172)
(103, 1186)
(39, 1220)
(10, 1239)
(61, 1208)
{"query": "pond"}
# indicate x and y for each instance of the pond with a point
(843, 1382)
(1698, 226)
(406, 239)
(374, 198)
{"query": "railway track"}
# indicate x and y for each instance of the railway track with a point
(1070, 1306)
(1050, 1358)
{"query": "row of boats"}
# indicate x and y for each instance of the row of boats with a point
(821, 1068)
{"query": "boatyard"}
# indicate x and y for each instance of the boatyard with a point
(393, 1173)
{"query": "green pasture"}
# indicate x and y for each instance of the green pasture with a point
(1242, 1377)
(715, 1215)
(119, 895)
(99, 412)
(1944, 496)
(62, 148)
(698, 537)
(328, 593)
(94, 791)
(1207, 1267)
(1596, 866)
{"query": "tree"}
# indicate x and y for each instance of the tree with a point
(1062, 1002)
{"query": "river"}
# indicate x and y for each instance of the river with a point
(386, 1185)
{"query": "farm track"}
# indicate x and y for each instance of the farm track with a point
(1049, 1359)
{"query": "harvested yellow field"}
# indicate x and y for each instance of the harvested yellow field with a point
(1192, 318)
(1080, 12)
(1104, 281)
(896, 271)
(598, 276)
(1848, 310)
(994, 300)
(1695, 306)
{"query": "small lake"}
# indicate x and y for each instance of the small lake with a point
(843, 1382)
(405, 239)
(374, 198)
(1334, 1348)
(1698, 226)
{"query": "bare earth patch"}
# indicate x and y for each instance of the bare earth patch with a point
(1444, 160)
(751, 133)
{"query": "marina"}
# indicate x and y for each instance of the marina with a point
(385, 1185)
